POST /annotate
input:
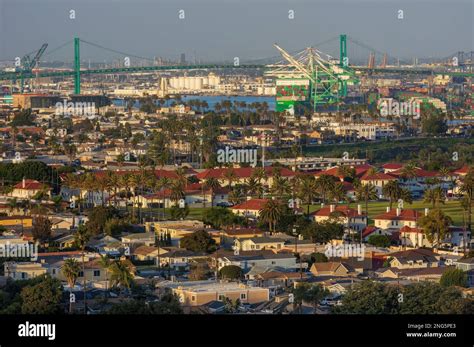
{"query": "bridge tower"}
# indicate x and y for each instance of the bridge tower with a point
(343, 62)
(77, 66)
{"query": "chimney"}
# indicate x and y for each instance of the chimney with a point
(426, 211)
(23, 183)
(388, 209)
(322, 204)
(359, 209)
(398, 212)
(331, 208)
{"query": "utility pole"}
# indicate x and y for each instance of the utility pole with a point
(295, 233)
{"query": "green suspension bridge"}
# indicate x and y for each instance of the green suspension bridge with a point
(325, 74)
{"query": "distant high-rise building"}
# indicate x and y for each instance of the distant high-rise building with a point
(182, 59)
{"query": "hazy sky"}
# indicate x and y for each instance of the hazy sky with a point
(222, 29)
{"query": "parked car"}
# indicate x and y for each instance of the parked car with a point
(225, 204)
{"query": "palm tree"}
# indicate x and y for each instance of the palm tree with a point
(405, 195)
(237, 194)
(365, 193)
(135, 182)
(435, 196)
(111, 185)
(57, 199)
(70, 271)
(314, 294)
(346, 172)
(467, 188)
(121, 274)
(280, 187)
(259, 174)
(81, 238)
(338, 193)
(90, 184)
(181, 176)
(164, 183)
(391, 190)
(307, 190)
(230, 176)
(212, 184)
(444, 172)
(408, 171)
(254, 187)
(177, 191)
(271, 213)
(435, 225)
(324, 184)
(104, 262)
(464, 202)
(12, 204)
(125, 182)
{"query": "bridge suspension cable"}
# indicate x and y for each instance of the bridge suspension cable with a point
(116, 51)
(363, 45)
(48, 53)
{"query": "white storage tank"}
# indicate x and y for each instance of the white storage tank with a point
(199, 83)
(192, 83)
(181, 83)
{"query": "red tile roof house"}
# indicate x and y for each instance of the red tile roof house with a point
(194, 194)
(372, 230)
(415, 237)
(354, 219)
(360, 170)
(250, 208)
(27, 188)
(397, 218)
(417, 183)
(462, 171)
(379, 180)
(390, 167)
(242, 174)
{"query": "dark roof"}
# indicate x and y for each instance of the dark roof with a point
(425, 255)
(257, 255)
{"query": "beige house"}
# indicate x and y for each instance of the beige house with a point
(176, 229)
(259, 243)
(414, 258)
(413, 237)
(250, 208)
(349, 217)
(27, 189)
(331, 269)
(197, 293)
(397, 218)
(378, 180)
(24, 270)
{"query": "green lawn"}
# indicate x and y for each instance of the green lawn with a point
(400, 149)
(451, 208)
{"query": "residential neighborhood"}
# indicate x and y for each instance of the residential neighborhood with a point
(307, 160)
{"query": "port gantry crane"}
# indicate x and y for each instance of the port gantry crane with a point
(28, 64)
(328, 77)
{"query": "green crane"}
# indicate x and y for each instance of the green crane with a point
(28, 64)
(328, 80)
